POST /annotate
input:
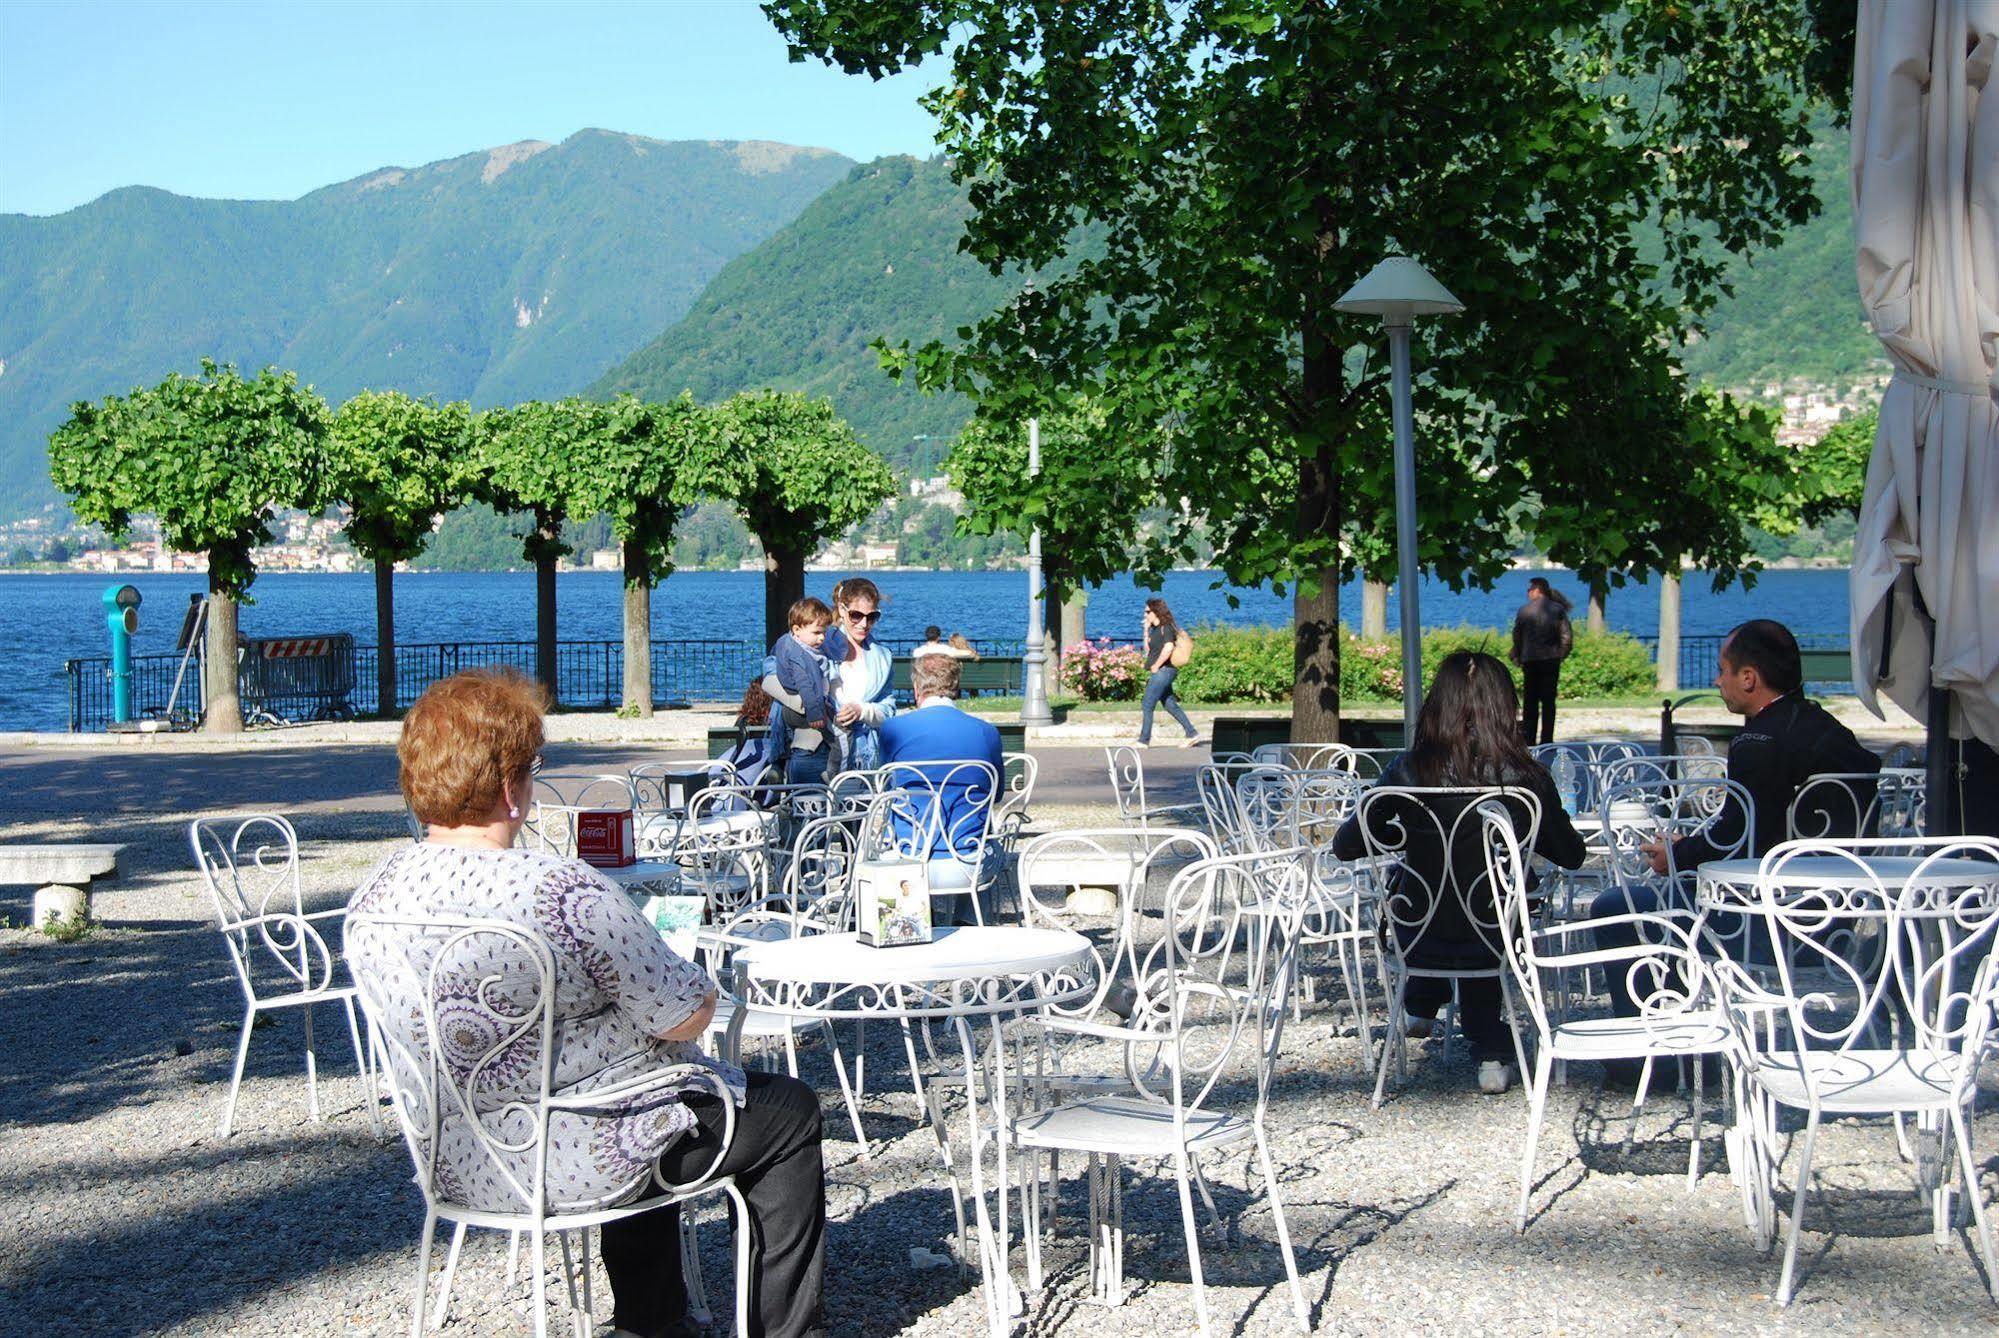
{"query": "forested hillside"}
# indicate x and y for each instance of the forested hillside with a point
(1796, 310)
(875, 256)
(516, 272)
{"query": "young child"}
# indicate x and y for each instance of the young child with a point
(802, 669)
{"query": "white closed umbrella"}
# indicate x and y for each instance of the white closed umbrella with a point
(1925, 581)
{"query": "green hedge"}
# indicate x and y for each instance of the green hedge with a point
(1254, 664)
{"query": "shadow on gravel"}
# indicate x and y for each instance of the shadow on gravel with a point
(174, 1266)
(94, 1025)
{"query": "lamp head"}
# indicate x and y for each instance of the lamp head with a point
(1397, 290)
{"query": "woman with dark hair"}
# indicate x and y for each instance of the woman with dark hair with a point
(1542, 639)
(1160, 634)
(1466, 739)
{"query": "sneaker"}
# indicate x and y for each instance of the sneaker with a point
(1191, 741)
(1495, 1076)
(1141, 743)
(1418, 1028)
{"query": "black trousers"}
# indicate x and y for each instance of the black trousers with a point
(775, 1159)
(1537, 698)
(1481, 1012)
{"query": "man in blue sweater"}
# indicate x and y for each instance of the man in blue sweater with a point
(931, 738)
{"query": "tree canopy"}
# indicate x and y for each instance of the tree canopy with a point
(398, 462)
(210, 456)
(1246, 161)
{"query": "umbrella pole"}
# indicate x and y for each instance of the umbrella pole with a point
(1940, 816)
(1940, 777)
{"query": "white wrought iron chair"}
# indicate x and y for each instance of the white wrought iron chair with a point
(944, 817)
(280, 951)
(1887, 996)
(727, 849)
(1127, 768)
(551, 820)
(1679, 1015)
(1434, 836)
(465, 1011)
(1836, 806)
(1212, 995)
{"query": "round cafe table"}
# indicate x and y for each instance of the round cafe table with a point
(963, 977)
(1730, 884)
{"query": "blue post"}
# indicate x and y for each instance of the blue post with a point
(121, 615)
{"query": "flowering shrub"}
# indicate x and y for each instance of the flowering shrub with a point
(1097, 671)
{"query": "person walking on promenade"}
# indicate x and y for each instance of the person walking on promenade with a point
(1161, 633)
(1542, 639)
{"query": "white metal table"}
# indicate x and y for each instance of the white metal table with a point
(1731, 884)
(964, 976)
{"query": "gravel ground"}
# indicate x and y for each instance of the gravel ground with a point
(122, 1211)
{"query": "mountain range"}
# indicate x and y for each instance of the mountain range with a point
(611, 262)
(513, 273)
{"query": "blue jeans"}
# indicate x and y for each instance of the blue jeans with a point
(806, 768)
(1159, 692)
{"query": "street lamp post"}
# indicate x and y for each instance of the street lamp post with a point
(1034, 655)
(1398, 290)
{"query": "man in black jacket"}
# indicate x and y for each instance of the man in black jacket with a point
(1541, 641)
(1785, 741)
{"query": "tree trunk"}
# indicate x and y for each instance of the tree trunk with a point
(1075, 614)
(1669, 630)
(223, 709)
(1594, 623)
(784, 585)
(1374, 610)
(544, 621)
(638, 628)
(385, 637)
(1315, 695)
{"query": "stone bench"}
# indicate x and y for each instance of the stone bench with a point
(62, 875)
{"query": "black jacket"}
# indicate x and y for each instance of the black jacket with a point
(1541, 632)
(1449, 934)
(1780, 748)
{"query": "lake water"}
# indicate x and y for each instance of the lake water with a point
(55, 618)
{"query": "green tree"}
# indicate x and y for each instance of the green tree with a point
(1097, 478)
(529, 462)
(805, 480)
(211, 457)
(1245, 161)
(641, 465)
(398, 463)
(1833, 470)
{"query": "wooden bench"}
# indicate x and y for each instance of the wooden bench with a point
(1827, 666)
(721, 738)
(1001, 674)
(1246, 733)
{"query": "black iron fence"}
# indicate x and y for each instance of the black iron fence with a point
(1699, 654)
(588, 674)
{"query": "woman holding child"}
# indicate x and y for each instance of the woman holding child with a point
(861, 691)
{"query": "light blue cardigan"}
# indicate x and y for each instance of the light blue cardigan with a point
(864, 751)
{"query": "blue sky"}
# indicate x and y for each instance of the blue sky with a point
(268, 100)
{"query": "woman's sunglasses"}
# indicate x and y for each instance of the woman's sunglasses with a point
(856, 616)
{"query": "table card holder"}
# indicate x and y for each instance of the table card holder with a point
(678, 918)
(892, 902)
(604, 837)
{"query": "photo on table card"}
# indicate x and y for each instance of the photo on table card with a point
(892, 903)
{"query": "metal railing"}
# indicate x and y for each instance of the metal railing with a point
(1699, 654)
(591, 673)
